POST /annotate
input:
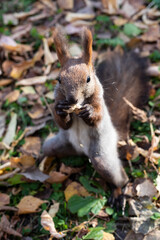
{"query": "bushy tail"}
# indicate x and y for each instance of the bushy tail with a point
(123, 75)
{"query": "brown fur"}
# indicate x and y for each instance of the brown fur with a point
(61, 45)
(123, 75)
(87, 46)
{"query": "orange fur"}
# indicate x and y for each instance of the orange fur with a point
(87, 46)
(61, 46)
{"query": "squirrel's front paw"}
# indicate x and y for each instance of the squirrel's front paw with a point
(61, 108)
(87, 113)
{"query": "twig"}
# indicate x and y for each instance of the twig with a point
(10, 174)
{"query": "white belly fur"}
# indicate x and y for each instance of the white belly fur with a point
(79, 135)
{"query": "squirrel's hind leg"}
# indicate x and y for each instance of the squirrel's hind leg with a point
(108, 165)
(58, 146)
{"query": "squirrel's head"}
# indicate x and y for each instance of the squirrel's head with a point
(77, 77)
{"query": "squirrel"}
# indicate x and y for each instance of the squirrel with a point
(90, 123)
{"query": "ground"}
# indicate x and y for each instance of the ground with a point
(37, 191)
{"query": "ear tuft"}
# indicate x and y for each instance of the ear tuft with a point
(61, 45)
(87, 45)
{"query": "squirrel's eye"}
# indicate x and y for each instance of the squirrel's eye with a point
(88, 79)
(59, 79)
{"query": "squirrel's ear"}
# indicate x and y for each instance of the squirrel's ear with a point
(61, 46)
(87, 46)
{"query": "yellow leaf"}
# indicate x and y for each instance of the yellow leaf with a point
(75, 188)
(29, 204)
(48, 224)
(108, 236)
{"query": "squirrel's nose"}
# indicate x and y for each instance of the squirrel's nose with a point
(72, 100)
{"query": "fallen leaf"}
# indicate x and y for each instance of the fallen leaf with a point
(69, 170)
(75, 50)
(158, 183)
(108, 236)
(10, 45)
(48, 58)
(154, 235)
(48, 225)
(131, 235)
(23, 162)
(151, 35)
(2, 123)
(11, 130)
(138, 113)
(5, 226)
(28, 90)
(75, 188)
(29, 204)
(35, 174)
(70, 17)
(57, 177)
(32, 81)
(67, 4)
(9, 19)
(4, 82)
(4, 199)
(32, 146)
(50, 95)
(37, 111)
(16, 70)
(145, 187)
(32, 129)
(53, 209)
(12, 96)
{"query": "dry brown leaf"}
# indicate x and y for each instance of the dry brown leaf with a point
(4, 82)
(37, 111)
(32, 129)
(65, 4)
(69, 170)
(29, 204)
(53, 209)
(32, 146)
(10, 45)
(108, 236)
(50, 95)
(71, 17)
(119, 21)
(145, 187)
(151, 35)
(20, 31)
(35, 174)
(153, 71)
(11, 130)
(48, 58)
(2, 123)
(111, 6)
(138, 113)
(16, 70)
(23, 161)
(75, 50)
(48, 224)
(9, 18)
(57, 177)
(12, 96)
(75, 188)
(4, 199)
(28, 90)
(5, 226)
(32, 81)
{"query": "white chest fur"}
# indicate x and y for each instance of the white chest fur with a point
(79, 135)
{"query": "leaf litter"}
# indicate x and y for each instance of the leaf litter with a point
(28, 72)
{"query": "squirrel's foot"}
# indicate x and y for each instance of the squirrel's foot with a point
(87, 114)
(61, 107)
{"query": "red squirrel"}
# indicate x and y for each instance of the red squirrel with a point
(95, 128)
